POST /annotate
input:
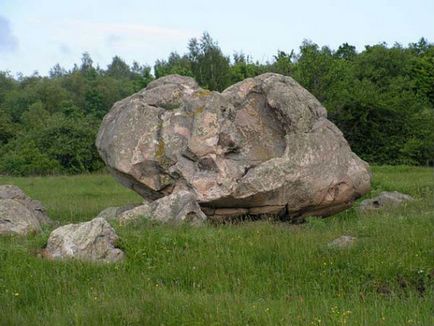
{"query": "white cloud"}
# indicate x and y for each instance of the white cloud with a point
(129, 40)
(8, 42)
(135, 31)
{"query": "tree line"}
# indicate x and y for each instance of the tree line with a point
(382, 99)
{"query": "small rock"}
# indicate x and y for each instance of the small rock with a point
(89, 241)
(384, 199)
(177, 207)
(144, 210)
(112, 213)
(343, 241)
(35, 206)
(109, 213)
(15, 218)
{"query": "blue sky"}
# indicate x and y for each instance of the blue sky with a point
(34, 35)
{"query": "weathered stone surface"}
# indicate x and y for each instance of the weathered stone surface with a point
(344, 241)
(112, 213)
(383, 200)
(178, 207)
(15, 218)
(265, 141)
(35, 206)
(89, 241)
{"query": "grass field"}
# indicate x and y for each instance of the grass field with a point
(252, 273)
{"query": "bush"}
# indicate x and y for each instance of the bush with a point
(22, 157)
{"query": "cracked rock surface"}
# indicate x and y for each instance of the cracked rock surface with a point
(262, 146)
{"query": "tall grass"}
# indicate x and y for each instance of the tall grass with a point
(252, 273)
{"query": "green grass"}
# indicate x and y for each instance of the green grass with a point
(252, 273)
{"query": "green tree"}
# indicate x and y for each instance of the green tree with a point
(36, 117)
(7, 128)
(118, 69)
(243, 67)
(142, 75)
(175, 64)
(57, 71)
(209, 66)
(346, 52)
(283, 63)
(7, 84)
(22, 157)
(313, 69)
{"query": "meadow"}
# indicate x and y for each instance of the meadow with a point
(249, 273)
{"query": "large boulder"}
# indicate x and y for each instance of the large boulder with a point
(262, 146)
(15, 218)
(89, 241)
(34, 206)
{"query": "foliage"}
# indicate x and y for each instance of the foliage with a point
(23, 157)
(382, 99)
(256, 273)
(175, 64)
(209, 66)
(48, 125)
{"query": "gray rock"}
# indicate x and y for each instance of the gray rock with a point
(174, 208)
(15, 218)
(35, 206)
(383, 200)
(89, 241)
(264, 144)
(142, 211)
(112, 213)
(344, 241)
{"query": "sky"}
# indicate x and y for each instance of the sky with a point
(37, 34)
